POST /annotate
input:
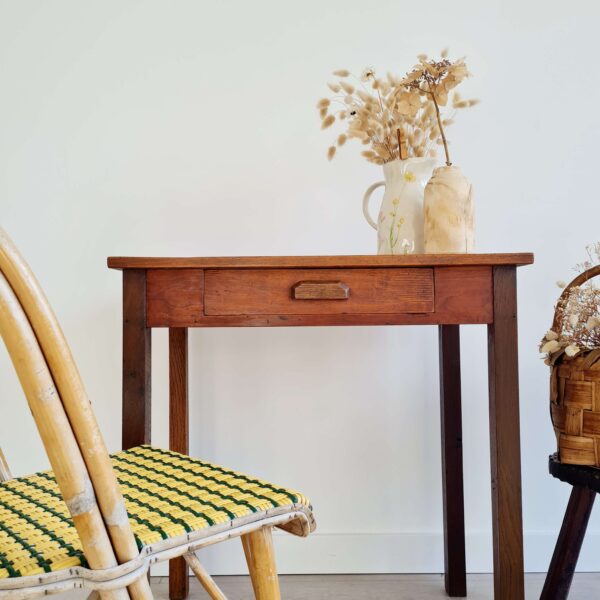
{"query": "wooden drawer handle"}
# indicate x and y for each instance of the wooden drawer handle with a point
(320, 290)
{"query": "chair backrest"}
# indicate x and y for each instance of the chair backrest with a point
(63, 415)
(54, 427)
(5, 473)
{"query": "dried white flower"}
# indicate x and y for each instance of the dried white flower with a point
(572, 350)
(551, 346)
(551, 335)
(592, 323)
(561, 284)
(577, 316)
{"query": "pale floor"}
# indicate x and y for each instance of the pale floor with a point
(586, 586)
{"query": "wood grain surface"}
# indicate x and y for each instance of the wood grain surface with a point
(175, 296)
(505, 441)
(178, 436)
(317, 262)
(452, 461)
(320, 290)
(176, 299)
(270, 291)
(136, 361)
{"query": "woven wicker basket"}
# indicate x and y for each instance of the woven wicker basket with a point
(575, 397)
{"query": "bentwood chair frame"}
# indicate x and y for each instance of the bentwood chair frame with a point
(84, 473)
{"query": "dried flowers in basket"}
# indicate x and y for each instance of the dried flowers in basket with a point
(572, 349)
(400, 121)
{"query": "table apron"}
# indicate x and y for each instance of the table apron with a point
(265, 298)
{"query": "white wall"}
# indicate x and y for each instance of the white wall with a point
(189, 128)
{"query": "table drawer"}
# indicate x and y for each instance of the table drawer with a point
(318, 291)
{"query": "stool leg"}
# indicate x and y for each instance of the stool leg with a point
(568, 545)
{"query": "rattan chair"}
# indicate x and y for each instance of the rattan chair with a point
(97, 521)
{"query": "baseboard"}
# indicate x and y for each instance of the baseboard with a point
(385, 553)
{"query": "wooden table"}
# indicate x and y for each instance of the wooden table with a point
(443, 290)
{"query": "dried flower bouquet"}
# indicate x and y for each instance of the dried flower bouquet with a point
(576, 327)
(397, 118)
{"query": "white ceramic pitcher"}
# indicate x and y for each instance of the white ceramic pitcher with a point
(400, 223)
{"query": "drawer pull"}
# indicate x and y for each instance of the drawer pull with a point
(320, 290)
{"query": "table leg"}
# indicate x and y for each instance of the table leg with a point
(507, 520)
(452, 461)
(136, 361)
(178, 436)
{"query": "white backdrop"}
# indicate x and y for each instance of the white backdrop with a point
(189, 128)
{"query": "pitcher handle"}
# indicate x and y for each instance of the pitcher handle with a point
(366, 199)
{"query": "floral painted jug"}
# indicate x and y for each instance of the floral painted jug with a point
(400, 223)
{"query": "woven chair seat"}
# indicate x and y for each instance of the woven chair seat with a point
(167, 495)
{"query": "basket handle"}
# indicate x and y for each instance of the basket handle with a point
(579, 280)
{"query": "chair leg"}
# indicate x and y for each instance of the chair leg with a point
(140, 590)
(258, 548)
(118, 594)
(208, 583)
(564, 560)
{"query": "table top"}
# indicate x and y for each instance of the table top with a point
(317, 262)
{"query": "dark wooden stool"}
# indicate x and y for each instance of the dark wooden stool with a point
(586, 484)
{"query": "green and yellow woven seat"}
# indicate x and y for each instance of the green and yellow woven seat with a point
(167, 496)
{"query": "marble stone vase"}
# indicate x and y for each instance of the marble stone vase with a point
(449, 224)
(400, 223)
